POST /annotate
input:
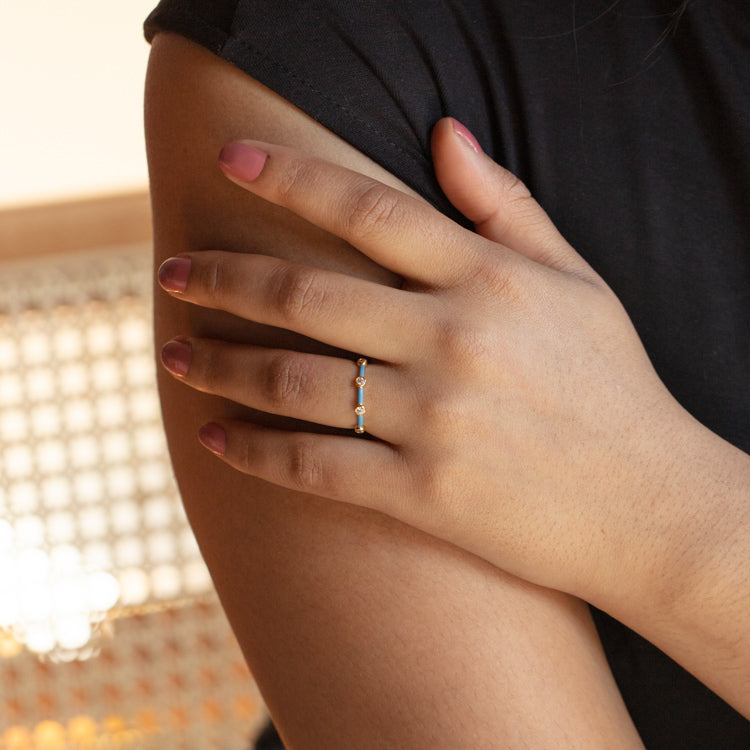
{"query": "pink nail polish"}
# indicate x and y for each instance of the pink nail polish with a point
(174, 274)
(242, 161)
(176, 356)
(466, 134)
(213, 437)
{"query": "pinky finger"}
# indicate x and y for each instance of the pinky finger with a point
(349, 469)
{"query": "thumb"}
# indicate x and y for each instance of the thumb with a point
(498, 203)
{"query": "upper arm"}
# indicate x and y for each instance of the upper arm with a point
(361, 632)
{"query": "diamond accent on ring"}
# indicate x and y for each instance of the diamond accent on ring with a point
(360, 382)
(360, 410)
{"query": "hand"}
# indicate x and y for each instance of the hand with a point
(515, 411)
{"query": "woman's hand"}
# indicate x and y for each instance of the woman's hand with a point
(515, 410)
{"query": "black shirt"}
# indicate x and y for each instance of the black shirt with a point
(629, 122)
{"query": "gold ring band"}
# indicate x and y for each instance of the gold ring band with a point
(360, 381)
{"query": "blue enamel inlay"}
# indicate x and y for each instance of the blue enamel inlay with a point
(361, 398)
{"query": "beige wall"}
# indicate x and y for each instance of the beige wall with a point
(71, 83)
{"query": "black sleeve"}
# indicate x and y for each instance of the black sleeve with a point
(379, 75)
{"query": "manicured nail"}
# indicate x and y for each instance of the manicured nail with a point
(176, 356)
(213, 437)
(242, 161)
(466, 134)
(174, 274)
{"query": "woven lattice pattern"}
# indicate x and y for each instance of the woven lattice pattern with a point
(92, 530)
(173, 680)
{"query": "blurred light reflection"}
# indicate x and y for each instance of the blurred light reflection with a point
(50, 601)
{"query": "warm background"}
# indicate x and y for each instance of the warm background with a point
(110, 632)
(71, 81)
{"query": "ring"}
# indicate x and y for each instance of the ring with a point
(359, 409)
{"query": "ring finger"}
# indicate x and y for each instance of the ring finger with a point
(310, 387)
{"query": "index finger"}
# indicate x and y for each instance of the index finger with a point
(396, 230)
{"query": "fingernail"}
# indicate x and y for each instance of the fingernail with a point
(174, 274)
(213, 437)
(242, 161)
(466, 134)
(176, 356)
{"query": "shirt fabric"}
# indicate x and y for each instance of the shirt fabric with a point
(630, 124)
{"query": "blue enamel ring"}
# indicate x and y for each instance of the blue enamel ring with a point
(360, 381)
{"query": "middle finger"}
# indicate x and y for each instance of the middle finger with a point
(336, 309)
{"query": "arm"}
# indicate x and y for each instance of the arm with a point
(360, 631)
(544, 442)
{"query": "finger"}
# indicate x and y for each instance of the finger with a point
(500, 205)
(310, 387)
(336, 309)
(398, 231)
(350, 469)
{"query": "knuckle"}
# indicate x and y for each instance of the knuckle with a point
(299, 292)
(306, 470)
(525, 212)
(216, 279)
(246, 454)
(459, 342)
(502, 284)
(209, 369)
(497, 278)
(444, 416)
(514, 187)
(373, 206)
(515, 205)
(294, 173)
(284, 381)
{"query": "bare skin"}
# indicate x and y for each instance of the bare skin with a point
(360, 631)
(543, 442)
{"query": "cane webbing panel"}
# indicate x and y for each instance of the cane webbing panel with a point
(88, 504)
